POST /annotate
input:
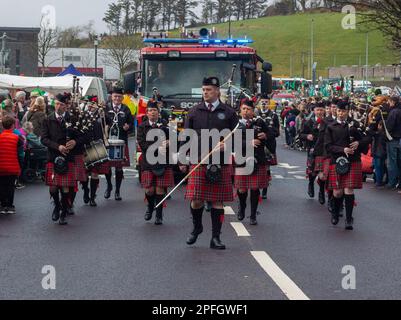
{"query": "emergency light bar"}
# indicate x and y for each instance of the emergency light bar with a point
(199, 41)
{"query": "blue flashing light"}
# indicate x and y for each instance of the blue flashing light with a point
(198, 41)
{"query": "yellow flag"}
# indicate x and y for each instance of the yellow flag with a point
(130, 103)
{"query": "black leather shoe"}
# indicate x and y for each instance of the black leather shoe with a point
(148, 215)
(253, 222)
(194, 236)
(62, 221)
(92, 203)
(86, 197)
(311, 190)
(56, 214)
(335, 219)
(216, 244)
(349, 225)
(107, 193)
(117, 196)
(158, 221)
(70, 212)
(241, 215)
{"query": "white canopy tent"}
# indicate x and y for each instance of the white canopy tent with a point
(54, 85)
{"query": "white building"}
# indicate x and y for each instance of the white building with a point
(84, 60)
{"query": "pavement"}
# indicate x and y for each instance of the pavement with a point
(110, 252)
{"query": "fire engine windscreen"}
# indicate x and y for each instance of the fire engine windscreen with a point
(184, 77)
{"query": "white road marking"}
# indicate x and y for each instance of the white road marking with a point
(296, 172)
(289, 288)
(240, 229)
(228, 211)
(299, 177)
(287, 166)
(277, 176)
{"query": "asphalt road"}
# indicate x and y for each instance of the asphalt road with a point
(110, 252)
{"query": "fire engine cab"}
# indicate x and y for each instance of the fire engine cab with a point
(174, 69)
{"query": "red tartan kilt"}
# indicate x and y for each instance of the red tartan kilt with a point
(80, 171)
(198, 188)
(122, 163)
(258, 180)
(148, 179)
(319, 162)
(351, 180)
(67, 180)
(274, 161)
(102, 168)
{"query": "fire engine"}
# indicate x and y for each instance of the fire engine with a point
(173, 68)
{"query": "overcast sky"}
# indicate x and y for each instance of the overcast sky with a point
(27, 13)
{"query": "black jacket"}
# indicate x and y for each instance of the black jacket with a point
(54, 134)
(124, 116)
(394, 122)
(339, 136)
(199, 117)
(143, 130)
(273, 125)
(259, 126)
(309, 127)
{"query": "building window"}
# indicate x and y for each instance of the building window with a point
(72, 58)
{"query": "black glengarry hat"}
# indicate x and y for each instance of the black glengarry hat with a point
(212, 81)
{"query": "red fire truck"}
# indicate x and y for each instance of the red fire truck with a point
(175, 68)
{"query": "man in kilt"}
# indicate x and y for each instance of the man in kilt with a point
(63, 144)
(91, 185)
(273, 123)
(258, 179)
(120, 114)
(157, 177)
(343, 139)
(309, 135)
(210, 114)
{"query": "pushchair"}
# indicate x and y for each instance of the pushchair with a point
(35, 160)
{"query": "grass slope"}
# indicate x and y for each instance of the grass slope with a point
(280, 37)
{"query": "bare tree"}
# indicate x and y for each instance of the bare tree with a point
(120, 51)
(383, 15)
(47, 39)
(87, 59)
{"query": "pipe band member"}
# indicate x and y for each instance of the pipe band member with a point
(92, 184)
(155, 178)
(63, 145)
(119, 114)
(210, 114)
(345, 141)
(273, 123)
(258, 179)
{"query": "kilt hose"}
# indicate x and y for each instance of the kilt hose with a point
(351, 180)
(322, 164)
(126, 162)
(258, 180)
(80, 171)
(67, 180)
(198, 188)
(148, 179)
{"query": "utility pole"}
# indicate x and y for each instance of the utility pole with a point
(367, 59)
(96, 45)
(312, 45)
(303, 64)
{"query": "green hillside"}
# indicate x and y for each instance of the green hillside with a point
(280, 37)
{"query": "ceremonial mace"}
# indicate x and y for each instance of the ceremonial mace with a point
(197, 166)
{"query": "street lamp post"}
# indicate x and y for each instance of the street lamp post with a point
(96, 45)
(312, 46)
